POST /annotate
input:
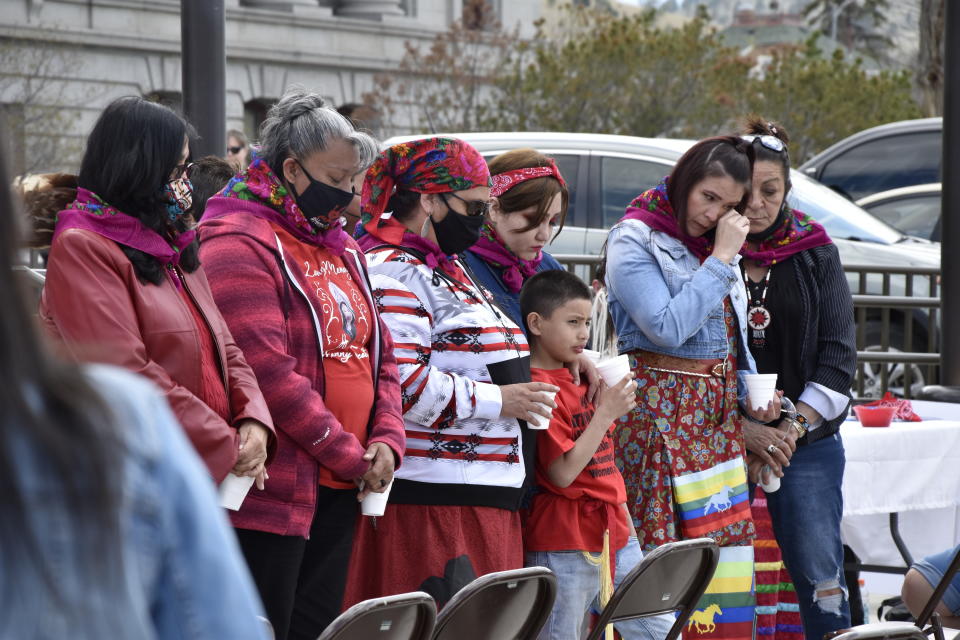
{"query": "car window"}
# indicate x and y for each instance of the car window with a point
(569, 166)
(622, 180)
(914, 215)
(840, 217)
(885, 163)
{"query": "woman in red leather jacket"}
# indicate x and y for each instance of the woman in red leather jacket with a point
(124, 286)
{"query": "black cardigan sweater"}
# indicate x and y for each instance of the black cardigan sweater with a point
(828, 350)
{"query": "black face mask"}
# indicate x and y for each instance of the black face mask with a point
(322, 204)
(456, 232)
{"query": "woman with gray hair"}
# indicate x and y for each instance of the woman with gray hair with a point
(292, 286)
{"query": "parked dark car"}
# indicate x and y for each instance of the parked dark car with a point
(899, 154)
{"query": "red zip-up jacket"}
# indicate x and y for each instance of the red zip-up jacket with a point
(97, 310)
(271, 321)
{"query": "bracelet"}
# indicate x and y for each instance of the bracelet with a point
(801, 430)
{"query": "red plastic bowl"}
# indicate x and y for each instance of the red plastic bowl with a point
(874, 416)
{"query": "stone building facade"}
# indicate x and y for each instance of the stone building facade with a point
(62, 61)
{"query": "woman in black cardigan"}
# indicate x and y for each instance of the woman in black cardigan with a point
(801, 327)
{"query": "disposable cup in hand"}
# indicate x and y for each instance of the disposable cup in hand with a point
(773, 481)
(537, 421)
(614, 369)
(233, 490)
(761, 389)
(594, 356)
(375, 503)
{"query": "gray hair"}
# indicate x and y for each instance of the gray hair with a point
(301, 123)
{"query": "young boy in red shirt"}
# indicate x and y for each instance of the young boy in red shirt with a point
(580, 492)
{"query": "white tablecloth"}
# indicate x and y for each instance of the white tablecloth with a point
(912, 468)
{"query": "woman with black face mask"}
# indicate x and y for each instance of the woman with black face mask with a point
(464, 370)
(292, 286)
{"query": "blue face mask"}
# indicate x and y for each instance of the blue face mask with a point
(178, 197)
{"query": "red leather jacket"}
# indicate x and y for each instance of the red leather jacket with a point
(94, 304)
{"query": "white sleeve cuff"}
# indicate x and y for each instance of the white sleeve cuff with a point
(489, 401)
(827, 402)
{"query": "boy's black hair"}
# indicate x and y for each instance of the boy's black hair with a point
(549, 290)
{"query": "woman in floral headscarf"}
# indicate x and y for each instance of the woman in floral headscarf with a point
(529, 205)
(464, 371)
(292, 285)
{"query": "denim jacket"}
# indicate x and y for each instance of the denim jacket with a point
(662, 299)
(182, 575)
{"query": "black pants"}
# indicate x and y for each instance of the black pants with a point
(301, 582)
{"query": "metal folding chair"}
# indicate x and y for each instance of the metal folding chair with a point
(929, 613)
(670, 578)
(881, 631)
(407, 616)
(507, 605)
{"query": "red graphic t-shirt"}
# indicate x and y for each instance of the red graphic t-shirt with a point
(575, 517)
(345, 324)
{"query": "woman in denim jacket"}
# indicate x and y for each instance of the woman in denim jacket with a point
(679, 307)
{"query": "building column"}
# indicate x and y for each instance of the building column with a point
(369, 8)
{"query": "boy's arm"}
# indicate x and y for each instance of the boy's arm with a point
(565, 469)
(615, 401)
(632, 529)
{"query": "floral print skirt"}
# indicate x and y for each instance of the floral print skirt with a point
(681, 453)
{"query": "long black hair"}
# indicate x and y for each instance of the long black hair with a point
(131, 152)
(55, 423)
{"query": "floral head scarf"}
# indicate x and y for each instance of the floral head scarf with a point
(429, 165)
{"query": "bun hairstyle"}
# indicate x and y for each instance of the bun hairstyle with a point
(537, 192)
(757, 126)
(720, 156)
(302, 123)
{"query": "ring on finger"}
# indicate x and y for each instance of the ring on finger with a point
(771, 448)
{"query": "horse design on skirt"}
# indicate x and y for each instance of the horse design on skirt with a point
(720, 501)
(703, 619)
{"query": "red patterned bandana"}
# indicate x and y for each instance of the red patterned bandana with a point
(503, 182)
(429, 165)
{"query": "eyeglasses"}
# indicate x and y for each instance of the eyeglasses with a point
(770, 142)
(182, 170)
(234, 150)
(473, 207)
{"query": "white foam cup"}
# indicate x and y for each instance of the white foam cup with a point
(773, 483)
(537, 421)
(375, 503)
(614, 369)
(594, 356)
(233, 490)
(761, 389)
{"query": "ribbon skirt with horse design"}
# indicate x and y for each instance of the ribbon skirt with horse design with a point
(681, 454)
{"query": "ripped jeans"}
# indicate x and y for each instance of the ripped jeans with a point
(806, 515)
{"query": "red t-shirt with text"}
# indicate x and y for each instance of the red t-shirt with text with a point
(575, 517)
(346, 325)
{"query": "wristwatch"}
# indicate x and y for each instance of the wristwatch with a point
(801, 424)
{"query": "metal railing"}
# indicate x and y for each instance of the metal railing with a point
(890, 328)
(897, 335)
